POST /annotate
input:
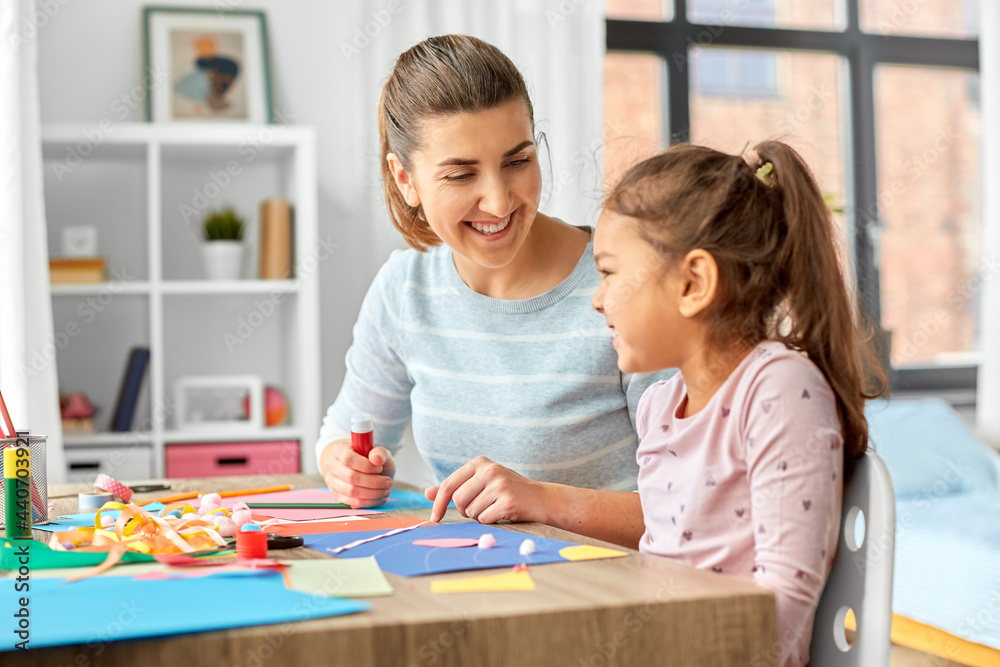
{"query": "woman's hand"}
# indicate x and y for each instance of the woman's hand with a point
(488, 492)
(355, 480)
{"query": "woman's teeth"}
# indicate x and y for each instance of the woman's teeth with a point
(492, 228)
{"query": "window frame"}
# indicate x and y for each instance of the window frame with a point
(862, 52)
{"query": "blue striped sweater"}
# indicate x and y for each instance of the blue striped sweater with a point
(532, 384)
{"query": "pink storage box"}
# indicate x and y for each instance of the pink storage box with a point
(217, 459)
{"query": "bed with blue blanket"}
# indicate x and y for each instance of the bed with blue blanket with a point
(946, 583)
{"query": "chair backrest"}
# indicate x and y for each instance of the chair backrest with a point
(861, 577)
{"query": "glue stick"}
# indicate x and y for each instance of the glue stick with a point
(361, 433)
(17, 492)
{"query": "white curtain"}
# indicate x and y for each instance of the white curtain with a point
(27, 355)
(988, 399)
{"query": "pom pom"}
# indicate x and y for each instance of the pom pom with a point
(226, 526)
(106, 521)
(240, 506)
(207, 508)
(241, 517)
(249, 527)
(211, 499)
(68, 545)
(527, 548)
(487, 540)
(190, 515)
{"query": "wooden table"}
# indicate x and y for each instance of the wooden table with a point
(640, 610)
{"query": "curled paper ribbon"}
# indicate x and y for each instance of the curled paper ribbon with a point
(138, 530)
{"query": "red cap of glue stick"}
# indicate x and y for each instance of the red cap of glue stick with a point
(361, 433)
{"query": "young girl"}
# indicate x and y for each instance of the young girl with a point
(726, 268)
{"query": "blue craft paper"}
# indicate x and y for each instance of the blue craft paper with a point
(62, 524)
(398, 554)
(405, 500)
(103, 609)
(87, 518)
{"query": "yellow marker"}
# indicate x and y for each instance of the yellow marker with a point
(17, 492)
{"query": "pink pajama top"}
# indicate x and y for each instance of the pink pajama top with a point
(750, 486)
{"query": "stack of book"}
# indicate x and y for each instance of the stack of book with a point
(77, 270)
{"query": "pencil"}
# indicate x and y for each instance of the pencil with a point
(6, 419)
(224, 494)
(248, 492)
(170, 499)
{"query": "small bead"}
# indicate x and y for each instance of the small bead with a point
(527, 548)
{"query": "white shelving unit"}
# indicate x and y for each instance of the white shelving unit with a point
(145, 187)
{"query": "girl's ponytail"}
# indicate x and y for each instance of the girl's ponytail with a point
(819, 317)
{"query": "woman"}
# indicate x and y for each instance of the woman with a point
(481, 335)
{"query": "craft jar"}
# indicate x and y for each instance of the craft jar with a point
(36, 445)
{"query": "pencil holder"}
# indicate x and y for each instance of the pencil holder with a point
(36, 445)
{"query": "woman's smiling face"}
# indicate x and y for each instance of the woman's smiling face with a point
(477, 178)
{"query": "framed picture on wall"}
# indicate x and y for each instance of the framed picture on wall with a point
(206, 65)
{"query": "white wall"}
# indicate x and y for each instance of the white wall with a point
(90, 55)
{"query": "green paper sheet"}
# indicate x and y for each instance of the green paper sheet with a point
(40, 557)
(332, 577)
(340, 577)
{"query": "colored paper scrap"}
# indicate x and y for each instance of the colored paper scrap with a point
(41, 557)
(448, 542)
(340, 526)
(62, 524)
(309, 515)
(339, 577)
(486, 583)
(590, 552)
(334, 577)
(87, 518)
(397, 554)
(103, 608)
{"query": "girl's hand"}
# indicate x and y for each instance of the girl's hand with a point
(355, 480)
(488, 492)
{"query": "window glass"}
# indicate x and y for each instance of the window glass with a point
(928, 18)
(641, 10)
(929, 212)
(803, 108)
(633, 110)
(800, 14)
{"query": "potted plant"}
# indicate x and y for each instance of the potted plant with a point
(222, 250)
